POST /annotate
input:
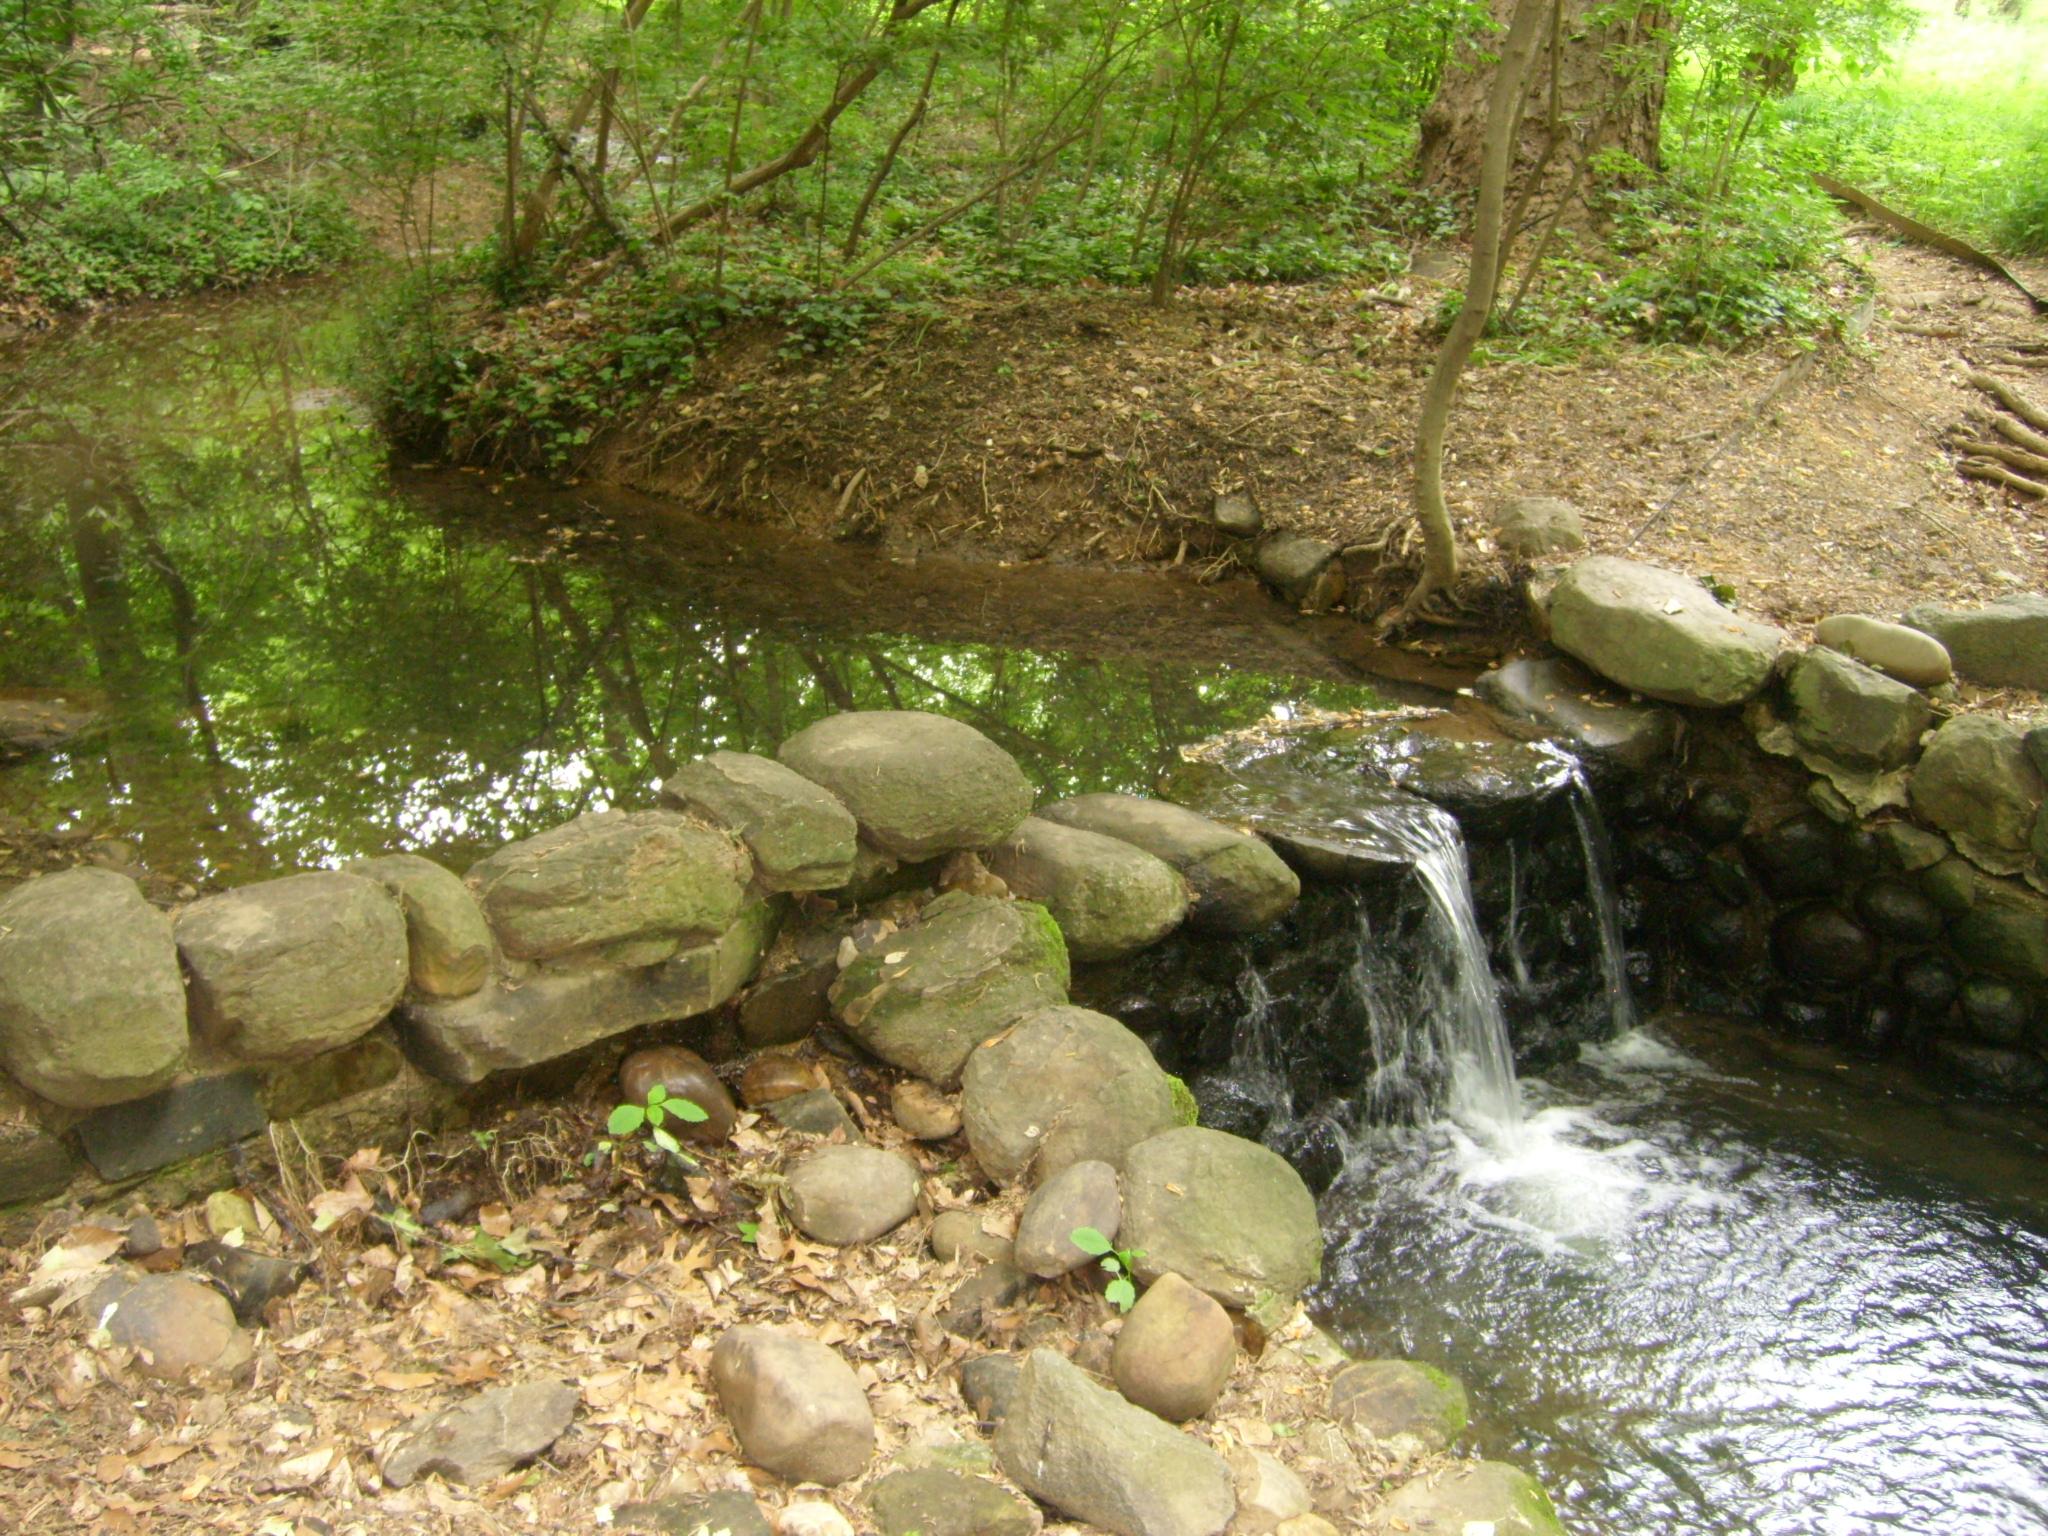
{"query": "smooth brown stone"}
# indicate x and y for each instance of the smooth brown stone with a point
(685, 1075)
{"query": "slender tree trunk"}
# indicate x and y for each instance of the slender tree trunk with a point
(1504, 113)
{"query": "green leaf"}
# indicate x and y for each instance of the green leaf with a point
(1088, 1240)
(655, 1113)
(666, 1140)
(749, 1231)
(684, 1109)
(626, 1119)
(657, 1094)
(1113, 1264)
(1121, 1294)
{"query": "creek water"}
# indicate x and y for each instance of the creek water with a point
(1697, 1282)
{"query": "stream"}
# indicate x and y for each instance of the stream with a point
(1699, 1281)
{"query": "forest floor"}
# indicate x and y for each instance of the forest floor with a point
(1090, 426)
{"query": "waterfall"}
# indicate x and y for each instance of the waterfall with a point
(1621, 1007)
(1257, 1058)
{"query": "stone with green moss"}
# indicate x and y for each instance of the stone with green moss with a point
(964, 971)
(1481, 1495)
(1109, 897)
(1185, 1110)
(1401, 1397)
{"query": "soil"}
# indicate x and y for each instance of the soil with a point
(1090, 427)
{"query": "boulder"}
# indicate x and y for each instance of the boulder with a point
(1552, 698)
(1239, 884)
(516, 1023)
(1079, 1195)
(1109, 898)
(2004, 929)
(1096, 1458)
(1997, 1011)
(1997, 1070)
(964, 971)
(934, 1502)
(192, 1116)
(727, 1512)
(1471, 1497)
(292, 967)
(795, 1406)
(801, 837)
(1400, 1397)
(2003, 644)
(919, 785)
(92, 1007)
(1852, 714)
(1175, 1352)
(960, 1234)
(1894, 649)
(175, 1324)
(1268, 1493)
(1660, 633)
(481, 1440)
(1530, 527)
(1816, 941)
(846, 1194)
(924, 1113)
(1224, 1213)
(1891, 906)
(1304, 571)
(1066, 1085)
(610, 877)
(445, 934)
(681, 1074)
(1976, 783)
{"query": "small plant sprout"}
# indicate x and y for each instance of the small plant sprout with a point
(1122, 1290)
(631, 1119)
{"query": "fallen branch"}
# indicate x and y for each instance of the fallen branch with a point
(1998, 474)
(2032, 414)
(1926, 234)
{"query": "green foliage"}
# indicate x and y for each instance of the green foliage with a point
(1119, 1263)
(627, 1120)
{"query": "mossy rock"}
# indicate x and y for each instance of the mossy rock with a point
(1401, 1397)
(1480, 1495)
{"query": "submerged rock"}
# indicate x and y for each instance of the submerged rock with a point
(1240, 885)
(1109, 897)
(1488, 1496)
(1326, 831)
(1661, 633)
(920, 785)
(1401, 1397)
(1491, 787)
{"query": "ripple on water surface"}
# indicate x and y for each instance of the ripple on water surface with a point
(1700, 1301)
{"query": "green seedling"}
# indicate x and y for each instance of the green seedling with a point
(628, 1120)
(1121, 1263)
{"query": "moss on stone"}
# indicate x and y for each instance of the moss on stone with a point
(1185, 1110)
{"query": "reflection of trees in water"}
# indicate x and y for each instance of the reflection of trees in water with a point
(303, 665)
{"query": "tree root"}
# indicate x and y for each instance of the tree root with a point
(2033, 415)
(1998, 474)
(2017, 458)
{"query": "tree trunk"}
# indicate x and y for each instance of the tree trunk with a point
(1604, 79)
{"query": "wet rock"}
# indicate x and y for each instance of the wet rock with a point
(1109, 897)
(1929, 982)
(1066, 1085)
(978, 1301)
(548, 1014)
(92, 1007)
(1301, 570)
(1324, 830)
(1471, 1497)
(1175, 1352)
(726, 1513)
(685, 1075)
(175, 1324)
(1996, 1070)
(2003, 644)
(1530, 527)
(1314, 1146)
(920, 785)
(484, 1438)
(2004, 930)
(845, 1194)
(817, 1113)
(1493, 788)
(1714, 932)
(1554, 698)
(1910, 848)
(1240, 885)
(958, 1233)
(1853, 714)
(1268, 1492)
(1893, 649)
(989, 1383)
(924, 1113)
(1717, 814)
(1880, 1023)
(1079, 1195)
(1660, 633)
(448, 943)
(1799, 856)
(1224, 1102)
(777, 1075)
(182, 1121)
(967, 969)
(1726, 876)
(1669, 855)
(1997, 1011)
(1893, 908)
(1390, 1398)
(1819, 942)
(1096, 1458)
(934, 1502)
(31, 727)
(801, 837)
(1975, 783)
(609, 877)
(250, 1281)
(1807, 1018)
(1228, 1215)
(795, 1406)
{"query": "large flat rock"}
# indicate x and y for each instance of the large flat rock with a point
(1223, 1213)
(1660, 633)
(1555, 699)
(2003, 644)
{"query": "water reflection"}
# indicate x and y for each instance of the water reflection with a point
(304, 656)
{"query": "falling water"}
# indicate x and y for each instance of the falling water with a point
(1256, 1058)
(1621, 1007)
